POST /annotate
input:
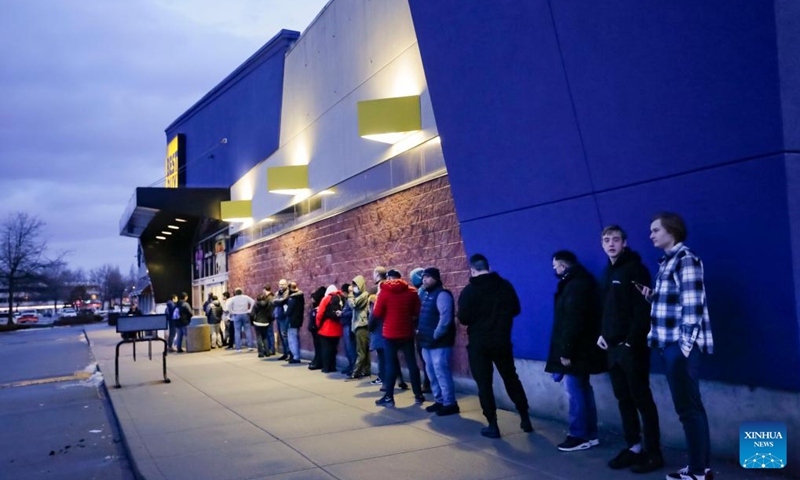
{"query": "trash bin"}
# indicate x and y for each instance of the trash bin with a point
(198, 335)
(112, 318)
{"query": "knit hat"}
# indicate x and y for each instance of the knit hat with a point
(381, 272)
(416, 277)
(393, 273)
(433, 272)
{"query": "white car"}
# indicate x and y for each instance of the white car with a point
(68, 312)
(28, 316)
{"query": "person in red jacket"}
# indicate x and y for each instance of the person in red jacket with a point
(330, 326)
(398, 305)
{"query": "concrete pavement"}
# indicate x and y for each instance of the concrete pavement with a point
(234, 416)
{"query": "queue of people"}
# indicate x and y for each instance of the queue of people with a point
(610, 326)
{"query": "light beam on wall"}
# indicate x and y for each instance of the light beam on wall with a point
(236, 210)
(388, 120)
(289, 180)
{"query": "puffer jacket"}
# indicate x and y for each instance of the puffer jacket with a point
(398, 305)
(327, 320)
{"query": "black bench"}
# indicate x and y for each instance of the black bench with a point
(141, 328)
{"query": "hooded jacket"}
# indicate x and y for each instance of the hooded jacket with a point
(360, 304)
(327, 320)
(576, 325)
(262, 312)
(398, 305)
(295, 305)
(626, 313)
(487, 307)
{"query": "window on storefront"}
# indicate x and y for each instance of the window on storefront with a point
(210, 257)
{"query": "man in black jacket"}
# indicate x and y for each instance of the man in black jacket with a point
(487, 307)
(573, 350)
(295, 306)
(626, 323)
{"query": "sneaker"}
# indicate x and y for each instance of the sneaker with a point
(492, 431)
(448, 410)
(433, 408)
(377, 381)
(573, 444)
(402, 385)
(685, 471)
(250, 350)
(649, 463)
(180, 350)
(625, 459)
(260, 355)
(294, 361)
(525, 423)
(283, 357)
(419, 399)
(238, 350)
(594, 442)
(385, 401)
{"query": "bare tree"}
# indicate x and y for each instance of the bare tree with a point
(22, 254)
(110, 281)
(57, 279)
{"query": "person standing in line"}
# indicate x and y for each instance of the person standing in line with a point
(239, 307)
(626, 323)
(436, 335)
(316, 299)
(262, 319)
(172, 304)
(680, 330)
(226, 321)
(348, 338)
(573, 347)
(359, 302)
(295, 306)
(487, 307)
(416, 281)
(329, 326)
(182, 314)
(214, 314)
(267, 292)
(279, 303)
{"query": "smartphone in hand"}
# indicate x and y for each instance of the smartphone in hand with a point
(643, 289)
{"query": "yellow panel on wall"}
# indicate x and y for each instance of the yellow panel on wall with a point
(389, 115)
(236, 210)
(288, 180)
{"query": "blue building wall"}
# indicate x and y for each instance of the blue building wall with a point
(559, 117)
(245, 108)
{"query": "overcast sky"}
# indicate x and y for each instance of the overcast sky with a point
(87, 88)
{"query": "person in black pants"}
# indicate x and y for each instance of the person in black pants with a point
(626, 323)
(487, 307)
(316, 298)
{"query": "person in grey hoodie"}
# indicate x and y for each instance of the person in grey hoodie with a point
(359, 302)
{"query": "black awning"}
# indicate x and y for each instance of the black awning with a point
(165, 221)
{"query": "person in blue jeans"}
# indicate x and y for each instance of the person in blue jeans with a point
(573, 347)
(436, 335)
(680, 330)
(182, 314)
(239, 307)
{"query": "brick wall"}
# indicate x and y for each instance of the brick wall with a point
(414, 228)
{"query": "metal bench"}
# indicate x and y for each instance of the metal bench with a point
(141, 328)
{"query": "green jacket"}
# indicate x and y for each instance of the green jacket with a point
(360, 304)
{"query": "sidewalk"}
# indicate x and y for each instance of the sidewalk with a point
(234, 416)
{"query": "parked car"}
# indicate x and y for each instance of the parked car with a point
(68, 312)
(28, 316)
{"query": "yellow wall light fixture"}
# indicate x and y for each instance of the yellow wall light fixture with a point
(236, 210)
(388, 120)
(289, 180)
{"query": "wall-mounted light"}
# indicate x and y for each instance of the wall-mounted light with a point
(236, 210)
(166, 233)
(174, 227)
(388, 120)
(289, 180)
(180, 220)
(161, 237)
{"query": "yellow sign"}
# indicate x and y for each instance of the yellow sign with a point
(171, 164)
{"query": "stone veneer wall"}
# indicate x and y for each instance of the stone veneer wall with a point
(413, 228)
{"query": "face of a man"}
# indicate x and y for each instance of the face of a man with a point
(559, 267)
(613, 245)
(660, 237)
(428, 282)
(282, 284)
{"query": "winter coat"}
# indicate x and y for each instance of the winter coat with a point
(360, 304)
(295, 305)
(576, 325)
(487, 307)
(433, 330)
(626, 313)
(261, 314)
(278, 302)
(186, 314)
(398, 305)
(214, 312)
(327, 320)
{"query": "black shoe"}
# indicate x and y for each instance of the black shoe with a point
(525, 423)
(180, 350)
(283, 357)
(260, 355)
(625, 459)
(450, 410)
(377, 381)
(294, 361)
(419, 399)
(313, 367)
(402, 385)
(491, 431)
(385, 401)
(573, 444)
(433, 408)
(649, 463)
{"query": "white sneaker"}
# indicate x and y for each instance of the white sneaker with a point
(238, 350)
(594, 442)
(249, 350)
(683, 474)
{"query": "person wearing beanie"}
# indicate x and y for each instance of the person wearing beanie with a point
(436, 335)
(329, 326)
(416, 281)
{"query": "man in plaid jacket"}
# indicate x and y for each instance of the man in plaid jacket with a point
(681, 331)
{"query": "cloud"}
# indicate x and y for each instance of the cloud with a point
(89, 87)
